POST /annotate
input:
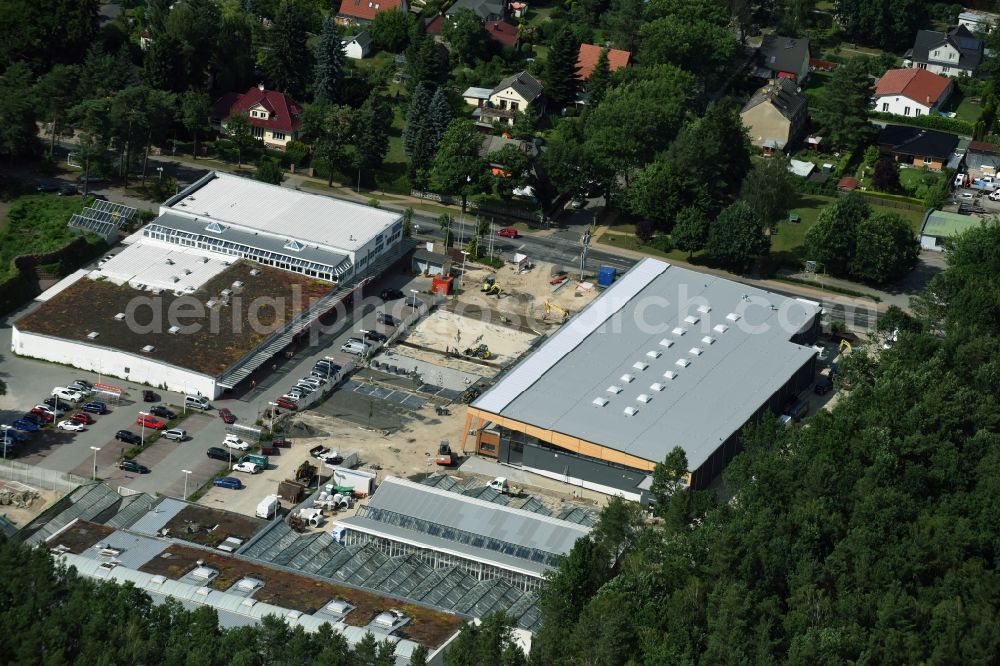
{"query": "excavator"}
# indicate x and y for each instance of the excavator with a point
(550, 307)
(491, 287)
(480, 351)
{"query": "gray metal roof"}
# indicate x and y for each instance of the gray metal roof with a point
(157, 518)
(475, 516)
(641, 320)
(524, 84)
(134, 550)
(784, 54)
(262, 241)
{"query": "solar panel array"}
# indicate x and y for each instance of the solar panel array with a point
(120, 211)
(99, 227)
(406, 576)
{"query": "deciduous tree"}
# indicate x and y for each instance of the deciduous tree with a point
(830, 242)
(457, 167)
(18, 131)
(690, 232)
(736, 238)
(885, 249)
(288, 63)
(240, 132)
(57, 94)
(391, 30)
(465, 34)
(768, 189)
(195, 110)
(886, 176)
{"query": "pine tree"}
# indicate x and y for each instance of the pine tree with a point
(372, 136)
(562, 79)
(599, 80)
(328, 73)
(420, 100)
(438, 117)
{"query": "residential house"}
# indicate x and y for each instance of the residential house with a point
(358, 46)
(493, 143)
(502, 32)
(273, 116)
(486, 10)
(911, 92)
(783, 58)
(518, 9)
(919, 147)
(362, 12)
(586, 61)
(776, 115)
(477, 97)
(512, 95)
(978, 21)
(428, 262)
(952, 53)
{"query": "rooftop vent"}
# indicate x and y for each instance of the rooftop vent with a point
(202, 572)
(691, 319)
(248, 602)
(175, 279)
(666, 343)
(653, 353)
(679, 331)
(204, 260)
(640, 365)
(226, 292)
(92, 335)
(173, 329)
(255, 271)
(732, 316)
(630, 411)
(157, 291)
(390, 619)
(720, 328)
(203, 591)
(158, 580)
(683, 362)
(708, 340)
(187, 271)
(170, 262)
(599, 402)
(249, 584)
(704, 309)
(669, 374)
(656, 386)
(695, 351)
(614, 389)
(338, 607)
(120, 316)
(643, 398)
(626, 378)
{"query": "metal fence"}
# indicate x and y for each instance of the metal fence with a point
(39, 477)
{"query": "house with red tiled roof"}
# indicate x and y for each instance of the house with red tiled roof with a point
(502, 32)
(273, 115)
(586, 61)
(362, 12)
(911, 92)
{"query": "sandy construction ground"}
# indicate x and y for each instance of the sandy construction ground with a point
(445, 329)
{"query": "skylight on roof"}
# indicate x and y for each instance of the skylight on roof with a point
(215, 228)
(683, 362)
(679, 331)
(708, 340)
(614, 389)
(640, 365)
(691, 319)
(696, 351)
(626, 378)
(666, 343)
(732, 316)
(720, 328)
(599, 401)
(653, 353)
(293, 245)
(643, 398)
(669, 374)
(704, 309)
(630, 411)
(656, 386)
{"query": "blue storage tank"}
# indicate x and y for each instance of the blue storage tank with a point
(606, 276)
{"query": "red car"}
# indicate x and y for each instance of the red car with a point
(43, 414)
(507, 232)
(285, 403)
(227, 416)
(83, 418)
(150, 422)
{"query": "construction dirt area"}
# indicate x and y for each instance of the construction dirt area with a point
(20, 504)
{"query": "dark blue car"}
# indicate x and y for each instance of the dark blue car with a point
(13, 435)
(95, 407)
(25, 424)
(230, 482)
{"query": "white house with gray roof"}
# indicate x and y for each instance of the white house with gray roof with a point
(513, 95)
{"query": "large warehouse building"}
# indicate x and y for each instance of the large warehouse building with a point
(666, 357)
(231, 273)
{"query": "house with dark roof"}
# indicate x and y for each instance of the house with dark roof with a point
(486, 10)
(953, 53)
(916, 146)
(362, 12)
(783, 58)
(273, 116)
(776, 115)
(586, 61)
(512, 95)
(357, 46)
(911, 92)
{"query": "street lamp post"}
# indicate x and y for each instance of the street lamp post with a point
(461, 278)
(414, 303)
(142, 425)
(187, 473)
(95, 449)
(160, 169)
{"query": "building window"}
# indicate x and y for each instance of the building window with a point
(945, 70)
(885, 106)
(503, 104)
(278, 136)
(906, 110)
(513, 106)
(258, 132)
(916, 112)
(937, 53)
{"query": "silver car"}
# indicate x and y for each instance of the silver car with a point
(176, 434)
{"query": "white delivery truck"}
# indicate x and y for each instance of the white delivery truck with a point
(268, 507)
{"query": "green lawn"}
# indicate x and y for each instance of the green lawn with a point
(967, 108)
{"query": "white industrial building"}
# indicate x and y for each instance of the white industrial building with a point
(215, 247)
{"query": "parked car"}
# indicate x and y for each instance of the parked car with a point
(823, 386)
(95, 407)
(176, 434)
(227, 416)
(66, 394)
(12, 434)
(132, 466)
(375, 336)
(47, 188)
(390, 294)
(67, 190)
(218, 454)
(247, 467)
(81, 386)
(230, 482)
(304, 388)
(149, 396)
(507, 232)
(150, 421)
(578, 203)
(45, 415)
(385, 319)
(285, 403)
(38, 419)
(71, 425)
(994, 195)
(26, 425)
(315, 381)
(82, 417)
(61, 405)
(234, 442)
(355, 347)
(162, 412)
(128, 437)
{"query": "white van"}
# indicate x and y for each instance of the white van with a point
(354, 346)
(268, 507)
(197, 402)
